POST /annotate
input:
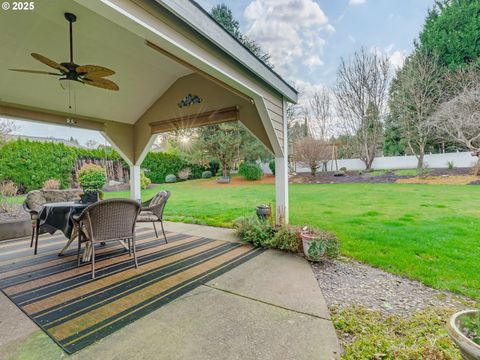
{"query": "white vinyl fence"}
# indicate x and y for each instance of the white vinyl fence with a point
(433, 161)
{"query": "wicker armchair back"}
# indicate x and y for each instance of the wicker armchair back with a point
(157, 205)
(110, 219)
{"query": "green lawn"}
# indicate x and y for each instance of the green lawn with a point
(426, 232)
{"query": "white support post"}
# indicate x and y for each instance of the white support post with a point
(281, 177)
(135, 186)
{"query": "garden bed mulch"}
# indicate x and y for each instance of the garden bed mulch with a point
(267, 179)
(379, 315)
(346, 282)
(447, 176)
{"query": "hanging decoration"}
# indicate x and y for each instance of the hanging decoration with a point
(189, 100)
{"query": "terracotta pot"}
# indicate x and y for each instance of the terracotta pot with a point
(469, 350)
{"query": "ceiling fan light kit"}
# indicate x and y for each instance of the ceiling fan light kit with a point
(74, 76)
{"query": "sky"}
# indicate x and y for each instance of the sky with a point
(306, 40)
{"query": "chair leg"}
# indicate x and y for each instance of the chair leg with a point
(78, 249)
(93, 260)
(134, 252)
(129, 247)
(155, 228)
(165, 236)
(33, 233)
(37, 230)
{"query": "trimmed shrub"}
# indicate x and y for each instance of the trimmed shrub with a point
(254, 231)
(92, 177)
(144, 180)
(214, 166)
(51, 184)
(196, 171)
(250, 171)
(170, 178)
(184, 174)
(159, 165)
(206, 174)
(271, 165)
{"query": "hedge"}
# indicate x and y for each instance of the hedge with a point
(29, 163)
(158, 165)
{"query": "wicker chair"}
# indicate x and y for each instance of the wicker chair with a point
(107, 220)
(37, 198)
(152, 211)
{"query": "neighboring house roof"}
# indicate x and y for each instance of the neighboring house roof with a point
(203, 23)
(44, 139)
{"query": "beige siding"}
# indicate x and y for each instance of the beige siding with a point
(275, 110)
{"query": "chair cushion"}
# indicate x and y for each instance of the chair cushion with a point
(35, 200)
(147, 216)
(54, 196)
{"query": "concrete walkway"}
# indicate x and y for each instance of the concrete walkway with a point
(267, 308)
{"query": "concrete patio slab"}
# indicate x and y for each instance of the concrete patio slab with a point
(279, 279)
(267, 308)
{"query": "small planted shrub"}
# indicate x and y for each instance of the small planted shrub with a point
(8, 189)
(318, 244)
(271, 165)
(170, 178)
(144, 180)
(343, 168)
(206, 174)
(250, 171)
(286, 238)
(254, 231)
(184, 174)
(92, 177)
(450, 165)
(51, 184)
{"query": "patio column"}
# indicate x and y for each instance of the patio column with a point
(281, 177)
(135, 187)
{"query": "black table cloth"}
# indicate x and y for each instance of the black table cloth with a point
(58, 216)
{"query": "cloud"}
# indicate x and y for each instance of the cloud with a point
(356, 2)
(396, 57)
(292, 31)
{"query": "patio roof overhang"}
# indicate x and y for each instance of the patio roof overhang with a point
(161, 51)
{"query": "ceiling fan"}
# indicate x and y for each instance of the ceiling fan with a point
(71, 73)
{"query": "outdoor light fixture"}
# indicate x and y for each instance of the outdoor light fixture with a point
(70, 84)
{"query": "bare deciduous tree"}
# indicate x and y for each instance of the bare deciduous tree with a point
(415, 94)
(459, 117)
(319, 114)
(361, 92)
(312, 152)
(6, 128)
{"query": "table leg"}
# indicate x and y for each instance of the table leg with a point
(69, 242)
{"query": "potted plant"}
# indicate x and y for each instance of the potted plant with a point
(464, 329)
(92, 179)
(264, 211)
(318, 244)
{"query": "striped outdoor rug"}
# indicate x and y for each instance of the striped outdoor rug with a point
(75, 310)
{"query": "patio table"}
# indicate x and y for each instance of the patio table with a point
(58, 216)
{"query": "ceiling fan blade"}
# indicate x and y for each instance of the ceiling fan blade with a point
(94, 71)
(36, 72)
(49, 62)
(101, 83)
